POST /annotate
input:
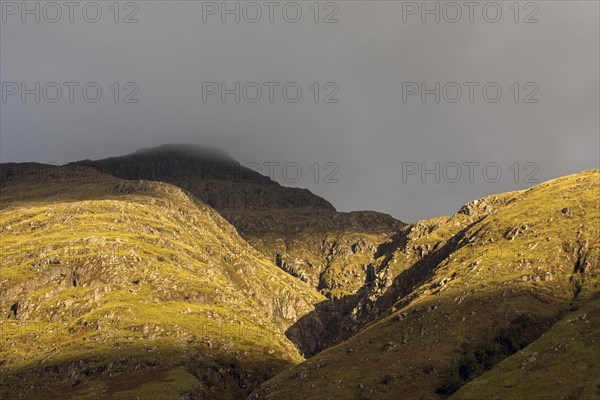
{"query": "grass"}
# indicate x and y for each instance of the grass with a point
(456, 282)
(161, 278)
(137, 277)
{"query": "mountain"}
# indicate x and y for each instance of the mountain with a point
(300, 232)
(452, 297)
(103, 277)
(119, 280)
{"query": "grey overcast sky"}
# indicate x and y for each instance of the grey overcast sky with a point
(375, 60)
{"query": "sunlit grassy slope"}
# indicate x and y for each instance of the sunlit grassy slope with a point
(300, 232)
(453, 296)
(101, 277)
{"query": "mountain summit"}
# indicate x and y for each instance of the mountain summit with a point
(209, 174)
(191, 150)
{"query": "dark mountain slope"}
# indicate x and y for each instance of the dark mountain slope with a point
(210, 175)
(564, 363)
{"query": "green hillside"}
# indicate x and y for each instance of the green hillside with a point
(453, 296)
(298, 231)
(114, 288)
(105, 280)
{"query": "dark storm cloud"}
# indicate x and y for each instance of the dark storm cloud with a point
(369, 55)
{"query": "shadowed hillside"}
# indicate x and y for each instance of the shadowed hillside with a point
(210, 175)
(562, 364)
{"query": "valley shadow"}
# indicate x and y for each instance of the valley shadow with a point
(335, 320)
(190, 372)
(324, 326)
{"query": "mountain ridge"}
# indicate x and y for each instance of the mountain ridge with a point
(142, 281)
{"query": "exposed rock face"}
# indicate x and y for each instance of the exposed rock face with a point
(333, 252)
(328, 250)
